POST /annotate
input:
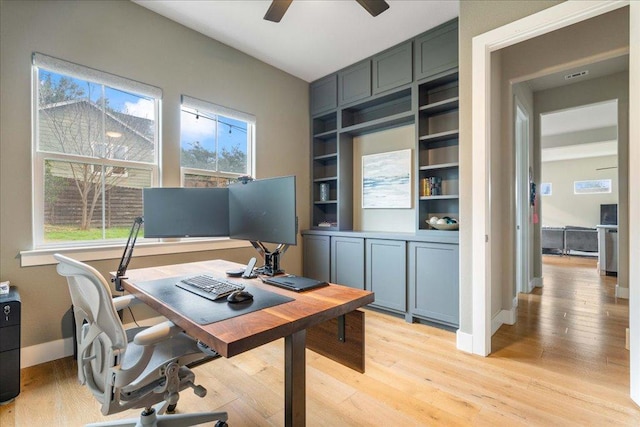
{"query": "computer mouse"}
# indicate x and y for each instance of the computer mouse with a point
(239, 296)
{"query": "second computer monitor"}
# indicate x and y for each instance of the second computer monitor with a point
(264, 210)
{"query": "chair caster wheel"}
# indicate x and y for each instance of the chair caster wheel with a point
(171, 408)
(222, 424)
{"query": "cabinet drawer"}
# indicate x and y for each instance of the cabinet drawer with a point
(347, 261)
(317, 257)
(324, 94)
(393, 68)
(386, 273)
(354, 83)
(433, 282)
(436, 51)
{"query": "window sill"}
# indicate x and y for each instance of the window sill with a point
(94, 253)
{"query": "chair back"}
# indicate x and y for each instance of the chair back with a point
(101, 338)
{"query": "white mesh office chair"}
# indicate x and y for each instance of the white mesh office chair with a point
(137, 368)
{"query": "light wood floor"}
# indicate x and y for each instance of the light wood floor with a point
(562, 364)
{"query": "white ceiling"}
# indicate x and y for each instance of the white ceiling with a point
(585, 117)
(315, 37)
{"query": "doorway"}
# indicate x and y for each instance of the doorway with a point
(530, 28)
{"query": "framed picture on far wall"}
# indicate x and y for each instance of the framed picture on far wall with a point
(594, 186)
(545, 189)
(386, 180)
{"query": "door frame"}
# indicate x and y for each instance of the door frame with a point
(548, 20)
(523, 178)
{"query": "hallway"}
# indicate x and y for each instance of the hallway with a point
(573, 325)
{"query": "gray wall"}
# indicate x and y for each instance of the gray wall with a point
(123, 38)
(477, 18)
(563, 207)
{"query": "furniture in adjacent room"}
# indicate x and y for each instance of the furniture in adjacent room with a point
(303, 321)
(136, 368)
(569, 238)
(608, 249)
(10, 314)
(552, 239)
(581, 239)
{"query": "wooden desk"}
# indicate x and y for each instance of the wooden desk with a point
(239, 334)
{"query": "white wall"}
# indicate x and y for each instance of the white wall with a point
(563, 207)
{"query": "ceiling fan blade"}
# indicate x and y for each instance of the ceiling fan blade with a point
(374, 7)
(276, 10)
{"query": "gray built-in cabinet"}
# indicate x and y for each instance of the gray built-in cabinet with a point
(415, 82)
(410, 274)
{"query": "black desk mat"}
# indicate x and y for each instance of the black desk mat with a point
(204, 311)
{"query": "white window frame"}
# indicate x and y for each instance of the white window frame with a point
(40, 156)
(218, 110)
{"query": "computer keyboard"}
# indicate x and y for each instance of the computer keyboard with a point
(209, 287)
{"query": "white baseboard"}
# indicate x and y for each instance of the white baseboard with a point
(464, 341)
(53, 350)
(622, 292)
(536, 282)
(505, 317)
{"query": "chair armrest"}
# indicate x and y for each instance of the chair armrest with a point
(125, 301)
(156, 333)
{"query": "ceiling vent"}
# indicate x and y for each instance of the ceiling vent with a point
(576, 75)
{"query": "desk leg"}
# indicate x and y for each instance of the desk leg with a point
(294, 379)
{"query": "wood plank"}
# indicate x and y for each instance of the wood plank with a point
(323, 339)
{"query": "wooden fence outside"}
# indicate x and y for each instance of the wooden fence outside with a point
(123, 204)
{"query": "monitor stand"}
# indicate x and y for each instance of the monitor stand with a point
(271, 258)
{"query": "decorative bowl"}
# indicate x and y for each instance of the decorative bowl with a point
(445, 226)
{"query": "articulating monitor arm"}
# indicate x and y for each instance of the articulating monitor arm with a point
(271, 258)
(127, 254)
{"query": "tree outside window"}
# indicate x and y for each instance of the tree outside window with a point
(96, 150)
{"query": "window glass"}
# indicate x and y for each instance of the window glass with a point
(215, 148)
(95, 149)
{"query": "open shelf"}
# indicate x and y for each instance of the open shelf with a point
(325, 124)
(438, 150)
(441, 136)
(441, 106)
(380, 124)
(439, 166)
(379, 111)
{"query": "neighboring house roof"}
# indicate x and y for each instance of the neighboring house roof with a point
(72, 126)
(81, 127)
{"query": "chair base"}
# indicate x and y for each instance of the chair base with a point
(151, 419)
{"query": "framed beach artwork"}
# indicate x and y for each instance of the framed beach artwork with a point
(386, 180)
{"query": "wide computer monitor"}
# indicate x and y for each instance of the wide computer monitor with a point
(186, 212)
(264, 210)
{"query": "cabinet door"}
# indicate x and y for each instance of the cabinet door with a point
(354, 83)
(392, 68)
(347, 261)
(437, 51)
(433, 282)
(386, 273)
(317, 257)
(324, 94)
